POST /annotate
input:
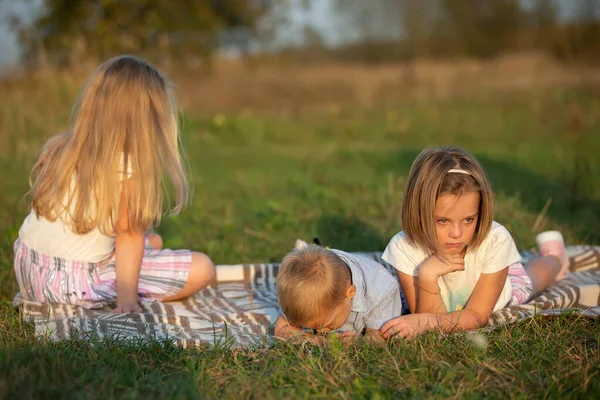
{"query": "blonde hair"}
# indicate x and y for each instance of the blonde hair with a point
(311, 281)
(428, 179)
(125, 121)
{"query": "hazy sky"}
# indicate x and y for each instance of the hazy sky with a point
(321, 16)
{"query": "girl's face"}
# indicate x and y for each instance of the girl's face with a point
(456, 220)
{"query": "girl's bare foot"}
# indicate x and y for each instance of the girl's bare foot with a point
(551, 243)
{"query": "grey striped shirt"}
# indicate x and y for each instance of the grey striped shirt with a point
(377, 298)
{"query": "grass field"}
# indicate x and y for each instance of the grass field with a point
(263, 179)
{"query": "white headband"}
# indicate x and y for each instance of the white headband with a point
(458, 171)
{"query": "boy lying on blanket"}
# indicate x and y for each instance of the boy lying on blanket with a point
(322, 291)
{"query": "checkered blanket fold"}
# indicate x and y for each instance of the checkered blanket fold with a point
(242, 307)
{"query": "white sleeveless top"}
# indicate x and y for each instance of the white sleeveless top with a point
(56, 239)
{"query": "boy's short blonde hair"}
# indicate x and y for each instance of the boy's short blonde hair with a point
(311, 281)
(428, 179)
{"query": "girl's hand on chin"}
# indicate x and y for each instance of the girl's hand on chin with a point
(435, 265)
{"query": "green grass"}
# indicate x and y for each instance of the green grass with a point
(261, 181)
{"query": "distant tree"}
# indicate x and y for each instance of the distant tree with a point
(370, 21)
(437, 28)
(311, 37)
(421, 21)
(485, 27)
(66, 30)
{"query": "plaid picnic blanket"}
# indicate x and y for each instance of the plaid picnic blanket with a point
(242, 307)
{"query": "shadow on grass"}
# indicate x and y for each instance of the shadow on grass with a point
(348, 234)
(572, 203)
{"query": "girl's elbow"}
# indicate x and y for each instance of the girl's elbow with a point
(471, 319)
(480, 320)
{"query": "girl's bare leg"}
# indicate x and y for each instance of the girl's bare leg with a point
(551, 243)
(543, 271)
(202, 273)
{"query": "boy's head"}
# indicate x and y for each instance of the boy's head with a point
(314, 288)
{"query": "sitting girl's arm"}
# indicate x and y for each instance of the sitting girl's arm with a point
(475, 314)
(129, 250)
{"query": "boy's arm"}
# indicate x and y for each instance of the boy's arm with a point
(285, 330)
(389, 307)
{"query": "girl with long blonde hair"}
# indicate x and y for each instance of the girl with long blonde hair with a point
(97, 189)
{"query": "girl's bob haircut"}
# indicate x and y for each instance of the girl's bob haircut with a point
(430, 177)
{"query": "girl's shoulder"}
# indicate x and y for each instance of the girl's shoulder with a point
(499, 241)
(498, 250)
(498, 234)
(401, 244)
(402, 241)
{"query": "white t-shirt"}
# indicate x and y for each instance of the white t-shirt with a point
(56, 239)
(496, 252)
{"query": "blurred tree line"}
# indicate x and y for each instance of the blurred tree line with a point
(68, 31)
(408, 29)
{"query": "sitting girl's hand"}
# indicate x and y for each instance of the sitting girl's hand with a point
(435, 266)
(132, 308)
(407, 326)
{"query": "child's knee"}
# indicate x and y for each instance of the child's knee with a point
(154, 240)
(204, 267)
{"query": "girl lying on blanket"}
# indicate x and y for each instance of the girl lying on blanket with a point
(322, 291)
(455, 264)
(97, 188)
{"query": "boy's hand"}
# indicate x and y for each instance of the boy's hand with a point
(131, 308)
(374, 335)
(349, 336)
(345, 337)
(435, 266)
(320, 339)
